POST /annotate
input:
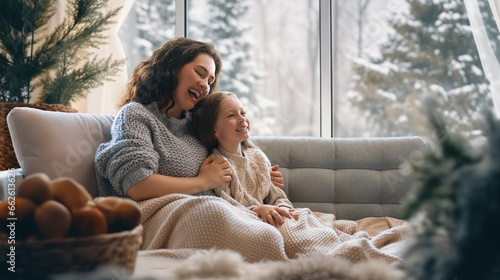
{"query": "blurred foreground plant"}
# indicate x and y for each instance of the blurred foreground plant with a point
(455, 210)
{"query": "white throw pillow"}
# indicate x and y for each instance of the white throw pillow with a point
(58, 144)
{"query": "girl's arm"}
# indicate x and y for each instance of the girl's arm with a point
(212, 173)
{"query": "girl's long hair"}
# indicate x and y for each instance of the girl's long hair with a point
(155, 78)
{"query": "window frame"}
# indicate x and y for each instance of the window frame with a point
(326, 60)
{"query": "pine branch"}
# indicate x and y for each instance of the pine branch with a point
(18, 21)
(37, 17)
(82, 29)
(69, 83)
(21, 64)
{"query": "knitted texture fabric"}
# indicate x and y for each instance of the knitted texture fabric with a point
(178, 226)
(144, 142)
(250, 184)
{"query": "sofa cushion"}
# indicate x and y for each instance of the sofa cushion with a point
(350, 177)
(58, 144)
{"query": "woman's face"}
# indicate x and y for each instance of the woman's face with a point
(232, 125)
(193, 83)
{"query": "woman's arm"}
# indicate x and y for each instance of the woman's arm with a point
(212, 173)
(277, 177)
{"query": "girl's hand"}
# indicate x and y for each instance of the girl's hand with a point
(277, 177)
(214, 172)
(272, 214)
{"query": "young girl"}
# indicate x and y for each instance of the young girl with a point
(224, 128)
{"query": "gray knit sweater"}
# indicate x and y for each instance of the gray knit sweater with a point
(144, 142)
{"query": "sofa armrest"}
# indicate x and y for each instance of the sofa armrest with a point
(9, 180)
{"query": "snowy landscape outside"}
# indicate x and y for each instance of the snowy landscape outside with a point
(387, 57)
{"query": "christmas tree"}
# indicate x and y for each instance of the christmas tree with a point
(430, 53)
(59, 63)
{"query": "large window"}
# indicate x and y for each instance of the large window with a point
(149, 24)
(331, 67)
(270, 59)
(428, 50)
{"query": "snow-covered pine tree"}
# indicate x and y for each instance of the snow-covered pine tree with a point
(430, 53)
(149, 25)
(225, 30)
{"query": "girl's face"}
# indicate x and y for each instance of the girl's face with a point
(232, 125)
(193, 83)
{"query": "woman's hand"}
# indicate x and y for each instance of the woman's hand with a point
(277, 177)
(214, 172)
(272, 214)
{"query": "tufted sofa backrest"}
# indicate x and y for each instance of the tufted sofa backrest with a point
(350, 177)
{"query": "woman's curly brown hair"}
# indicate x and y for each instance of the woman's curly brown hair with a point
(155, 78)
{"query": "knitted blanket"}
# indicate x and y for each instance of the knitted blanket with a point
(177, 226)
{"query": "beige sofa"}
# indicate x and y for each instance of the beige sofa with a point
(351, 178)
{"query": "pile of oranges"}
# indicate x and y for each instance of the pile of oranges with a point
(50, 209)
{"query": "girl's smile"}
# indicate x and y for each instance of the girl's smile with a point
(232, 125)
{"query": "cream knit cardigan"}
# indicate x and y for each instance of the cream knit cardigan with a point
(251, 184)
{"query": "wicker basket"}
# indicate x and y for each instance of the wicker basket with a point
(7, 155)
(39, 260)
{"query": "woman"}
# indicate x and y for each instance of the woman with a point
(153, 150)
(155, 157)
